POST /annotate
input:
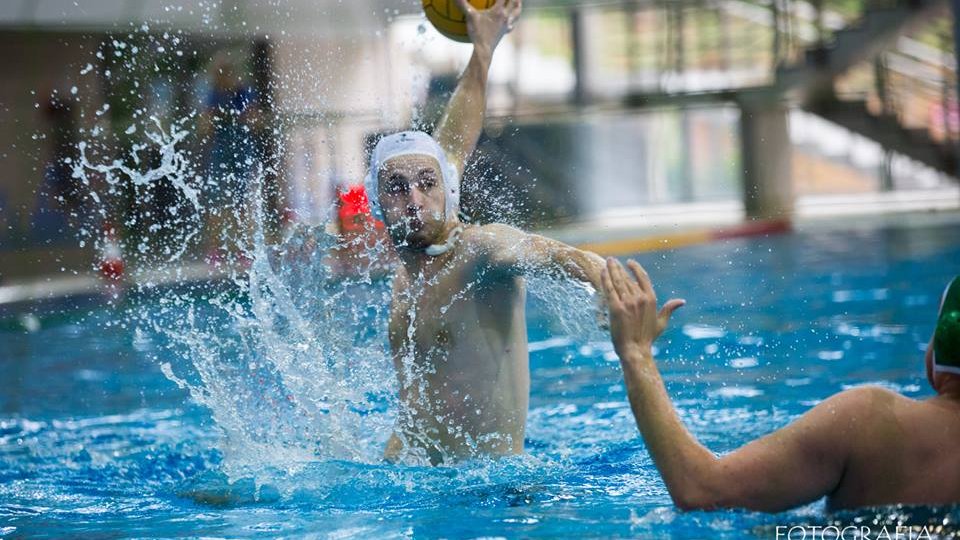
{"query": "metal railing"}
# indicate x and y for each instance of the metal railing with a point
(690, 46)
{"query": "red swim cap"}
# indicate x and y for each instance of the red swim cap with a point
(354, 210)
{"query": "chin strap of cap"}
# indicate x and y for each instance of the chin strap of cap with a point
(440, 249)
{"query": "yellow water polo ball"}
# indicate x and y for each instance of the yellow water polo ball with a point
(447, 18)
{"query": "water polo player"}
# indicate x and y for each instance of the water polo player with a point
(457, 326)
(862, 447)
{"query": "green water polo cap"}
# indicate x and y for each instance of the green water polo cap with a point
(946, 338)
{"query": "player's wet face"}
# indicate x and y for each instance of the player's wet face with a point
(411, 193)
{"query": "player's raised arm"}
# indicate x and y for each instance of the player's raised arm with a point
(510, 251)
(460, 126)
(797, 464)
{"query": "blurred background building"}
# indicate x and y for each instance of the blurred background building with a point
(624, 113)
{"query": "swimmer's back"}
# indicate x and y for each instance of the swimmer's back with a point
(900, 450)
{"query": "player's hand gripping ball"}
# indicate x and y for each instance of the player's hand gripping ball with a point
(449, 20)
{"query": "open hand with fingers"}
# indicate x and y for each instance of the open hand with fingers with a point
(634, 321)
(487, 26)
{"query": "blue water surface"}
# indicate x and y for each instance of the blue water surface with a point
(95, 441)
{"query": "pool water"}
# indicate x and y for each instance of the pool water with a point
(96, 441)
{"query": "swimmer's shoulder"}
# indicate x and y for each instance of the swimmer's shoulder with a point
(489, 230)
(867, 395)
(866, 401)
(856, 411)
(493, 239)
(871, 417)
(491, 235)
(494, 246)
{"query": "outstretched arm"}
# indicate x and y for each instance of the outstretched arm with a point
(795, 465)
(511, 251)
(460, 126)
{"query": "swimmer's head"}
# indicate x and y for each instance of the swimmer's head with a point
(413, 189)
(943, 352)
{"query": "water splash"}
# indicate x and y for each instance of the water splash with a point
(286, 346)
(292, 363)
(169, 163)
(289, 356)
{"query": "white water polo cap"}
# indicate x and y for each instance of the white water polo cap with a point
(408, 143)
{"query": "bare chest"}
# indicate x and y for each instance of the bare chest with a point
(437, 313)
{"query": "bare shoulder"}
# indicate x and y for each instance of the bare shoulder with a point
(490, 233)
(867, 400)
(496, 248)
(851, 409)
(492, 238)
(498, 228)
(866, 393)
(860, 411)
